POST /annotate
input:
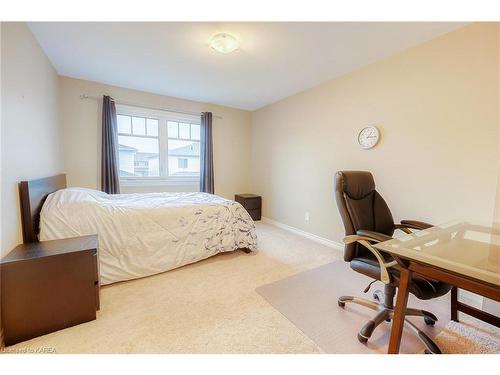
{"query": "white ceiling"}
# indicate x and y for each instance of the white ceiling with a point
(275, 60)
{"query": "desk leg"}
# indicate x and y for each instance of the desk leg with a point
(400, 311)
(454, 304)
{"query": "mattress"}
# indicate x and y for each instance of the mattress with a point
(144, 234)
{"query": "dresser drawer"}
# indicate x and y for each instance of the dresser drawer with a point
(47, 286)
(255, 214)
(252, 203)
(64, 289)
(249, 201)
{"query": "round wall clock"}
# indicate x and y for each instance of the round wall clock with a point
(368, 137)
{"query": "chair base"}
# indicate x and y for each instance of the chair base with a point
(385, 312)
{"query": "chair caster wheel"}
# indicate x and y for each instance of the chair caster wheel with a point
(429, 321)
(341, 304)
(362, 339)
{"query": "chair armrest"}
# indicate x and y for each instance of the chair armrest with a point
(365, 241)
(414, 224)
(379, 237)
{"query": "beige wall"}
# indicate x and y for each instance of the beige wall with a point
(30, 134)
(489, 305)
(437, 108)
(82, 121)
(497, 205)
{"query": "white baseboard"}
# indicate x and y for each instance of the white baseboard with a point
(300, 232)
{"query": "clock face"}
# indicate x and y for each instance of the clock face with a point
(368, 137)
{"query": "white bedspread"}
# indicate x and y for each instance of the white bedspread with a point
(144, 234)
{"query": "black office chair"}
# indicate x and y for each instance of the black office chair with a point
(368, 220)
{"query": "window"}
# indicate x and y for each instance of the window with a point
(157, 145)
(183, 149)
(138, 146)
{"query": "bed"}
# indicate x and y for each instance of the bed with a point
(139, 234)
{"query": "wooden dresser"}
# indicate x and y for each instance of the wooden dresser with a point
(47, 286)
(252, 203)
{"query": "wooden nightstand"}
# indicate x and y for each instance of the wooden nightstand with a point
(252, 203)
(48, 286)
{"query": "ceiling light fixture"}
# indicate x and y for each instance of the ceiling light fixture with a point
(224, 43)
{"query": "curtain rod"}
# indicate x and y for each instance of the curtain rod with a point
(85, 96)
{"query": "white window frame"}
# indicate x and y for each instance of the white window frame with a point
(163, 117)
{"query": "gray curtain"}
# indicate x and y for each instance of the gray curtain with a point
(206, 154)
(110, 180)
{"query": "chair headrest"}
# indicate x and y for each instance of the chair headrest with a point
(356, 184)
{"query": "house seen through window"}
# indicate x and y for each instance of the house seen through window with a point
(157, 145)
(183, 149)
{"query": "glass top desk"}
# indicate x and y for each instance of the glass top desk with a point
(464, 255)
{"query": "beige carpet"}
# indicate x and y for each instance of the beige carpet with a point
(207, 307)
